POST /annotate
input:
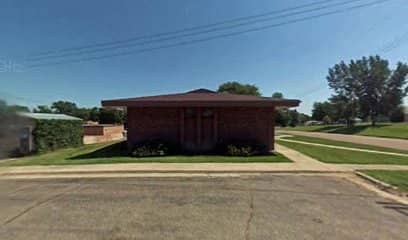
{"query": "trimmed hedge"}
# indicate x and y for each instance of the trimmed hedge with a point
(50, 135)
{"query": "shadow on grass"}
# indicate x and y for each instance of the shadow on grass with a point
(115, 150)
(120, 150)
(354, 129)
(327, 128)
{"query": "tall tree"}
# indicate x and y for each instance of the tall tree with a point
(111, 116)
(321, 110)
(368, 87)
(372, 75)
(281, 113)
(340, 110)
(42, 109)
(94, 114)
(293, 118)
(286, 117)
(346, 88)
(18, 108)
(239, 88)
(277, 95)
(3, 107)
(395, 88)
(65, 107)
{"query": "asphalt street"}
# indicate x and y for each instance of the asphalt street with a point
(251, 207)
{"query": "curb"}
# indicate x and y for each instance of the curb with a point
(377, 182)
(163, 173)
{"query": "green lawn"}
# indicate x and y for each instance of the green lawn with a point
(112, 153)
(395, 130)
(343, 144)
(330, 155)
(395, 178)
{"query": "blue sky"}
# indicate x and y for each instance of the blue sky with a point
(292, 59)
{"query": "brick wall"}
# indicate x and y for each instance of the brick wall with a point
(153, 123)
(246, 123)
(93, 130)
(102, 133)
(232, 123)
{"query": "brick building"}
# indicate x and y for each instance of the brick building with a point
(99, 133)
(199, 119)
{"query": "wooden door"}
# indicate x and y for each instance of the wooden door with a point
(199, 129)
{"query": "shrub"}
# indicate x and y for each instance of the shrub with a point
(397, 115)
(50, 135)
(153, 148)
(234, 150)
(242, 148)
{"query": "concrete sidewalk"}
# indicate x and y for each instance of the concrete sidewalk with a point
(375, 141)
(301, 164)
(343, 148)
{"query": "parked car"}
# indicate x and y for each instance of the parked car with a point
(313, 123)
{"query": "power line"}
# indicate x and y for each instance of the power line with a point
(209, 38)
(313, 90)
(181, 30)
(395, 43)
(159, 40)
(386, 48)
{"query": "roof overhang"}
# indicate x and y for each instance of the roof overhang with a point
(201, 98)
(185, 103)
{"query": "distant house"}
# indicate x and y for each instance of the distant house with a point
(406, 114)
(199, 119)
(21, 137)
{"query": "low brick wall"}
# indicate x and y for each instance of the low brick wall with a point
(102, 133)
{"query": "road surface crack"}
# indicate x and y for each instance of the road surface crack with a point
(251, 215)
(39, 203)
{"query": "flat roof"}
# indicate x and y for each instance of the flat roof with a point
(47, 116)
(201, 98)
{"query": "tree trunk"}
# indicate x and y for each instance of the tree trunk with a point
(349, 123)
(373, 120)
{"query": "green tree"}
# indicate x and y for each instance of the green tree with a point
(3, 107)
(368, 87)
(18, 108)
(42, 109)
(277, 95)
(281, 113)
(371, 75)
(341, 80)
(94, 114)
(293, 118)
(65, 107)
(111, 116)
(303, 118)
(395, 88)
(82, 113)
(281, 117)
(340, 110)
(322, 109)
(398, 115)
(327, 120)
(239, 88)
(286, 117)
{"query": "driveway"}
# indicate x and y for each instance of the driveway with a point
(375, 141)
(251, 207)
